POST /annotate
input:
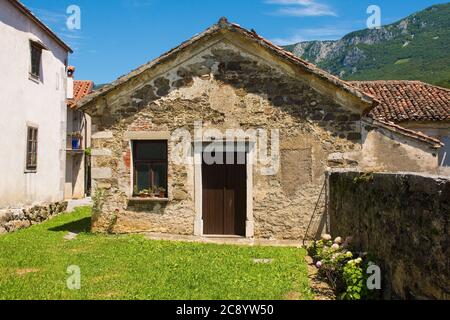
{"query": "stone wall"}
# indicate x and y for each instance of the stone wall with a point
(225, 87)
(15, 219)
(403, 220)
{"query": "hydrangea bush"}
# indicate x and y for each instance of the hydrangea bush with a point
(344, 271)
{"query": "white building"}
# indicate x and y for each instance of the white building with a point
(33, 109)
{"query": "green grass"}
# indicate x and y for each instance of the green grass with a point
(34, 262)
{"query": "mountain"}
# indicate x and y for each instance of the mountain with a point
(99, 86)
(415, 48)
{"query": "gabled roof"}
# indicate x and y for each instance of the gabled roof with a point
(403, 101)
(222, 25)
(81, 88)
(33, 18)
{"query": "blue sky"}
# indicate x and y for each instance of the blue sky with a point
(117, 36)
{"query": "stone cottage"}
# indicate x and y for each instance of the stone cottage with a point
(291, 121)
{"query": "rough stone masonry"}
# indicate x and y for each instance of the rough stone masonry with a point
(15, 219)
(225, 88)
(402, 220)
(225, 81)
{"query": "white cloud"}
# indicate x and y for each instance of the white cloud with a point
(301, 8)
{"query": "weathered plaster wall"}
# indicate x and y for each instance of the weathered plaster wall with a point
(24, 101)
(401, 219)
(226, 88)
(438, 130)
(385, 150)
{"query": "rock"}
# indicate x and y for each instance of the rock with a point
(180, 195)
(263, 261)
(16, 219)
(71, 236)
(5, 216)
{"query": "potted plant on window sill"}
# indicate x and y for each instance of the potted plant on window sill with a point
(144, 194)
(76, 140)
(161, 192)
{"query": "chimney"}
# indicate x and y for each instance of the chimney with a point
(70, 72)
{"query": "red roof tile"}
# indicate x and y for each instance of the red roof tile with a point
(81, 88)
(403, 101)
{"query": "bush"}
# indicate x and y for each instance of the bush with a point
(345, 273)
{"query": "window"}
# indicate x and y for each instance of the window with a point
(32, 139)
(36, 53)
(150, 166)
(444, 152)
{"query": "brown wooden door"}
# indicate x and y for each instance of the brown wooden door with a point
(224, 198)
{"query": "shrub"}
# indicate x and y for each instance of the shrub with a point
(345, 273)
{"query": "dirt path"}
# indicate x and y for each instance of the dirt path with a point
(321, 289)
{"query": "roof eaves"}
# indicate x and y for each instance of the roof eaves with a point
(435, 143)
(141, 69)
(30, 15)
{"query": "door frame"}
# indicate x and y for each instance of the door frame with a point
(199, 147)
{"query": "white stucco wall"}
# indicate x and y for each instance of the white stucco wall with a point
(25, 101)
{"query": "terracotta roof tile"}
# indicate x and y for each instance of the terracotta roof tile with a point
(403, 101)
(81, 88)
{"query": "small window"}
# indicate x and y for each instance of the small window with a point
(36, 53)
(444, 152)
(32, 140)
(150, 167)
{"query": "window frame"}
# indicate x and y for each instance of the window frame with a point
(163, 161)
(35, 47)
(443, 153)
(32, 147)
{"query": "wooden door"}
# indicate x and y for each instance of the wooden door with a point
(224, 198)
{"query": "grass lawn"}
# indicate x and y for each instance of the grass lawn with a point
(34, 262)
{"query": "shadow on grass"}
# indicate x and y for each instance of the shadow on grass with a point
(80, 226)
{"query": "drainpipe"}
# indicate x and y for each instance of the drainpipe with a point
(84, 155)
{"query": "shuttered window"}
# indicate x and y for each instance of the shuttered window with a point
(36, 53)
(32, 145)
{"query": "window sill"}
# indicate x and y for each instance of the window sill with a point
(30, 171)
(148, 200)
(34, 78)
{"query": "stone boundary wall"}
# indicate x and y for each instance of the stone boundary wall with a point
(15, 219)
(403, 220)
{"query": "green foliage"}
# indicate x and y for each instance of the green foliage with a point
(34, 262)
(419, 52)
(337, 265)
(353, 277)
(88, 151)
